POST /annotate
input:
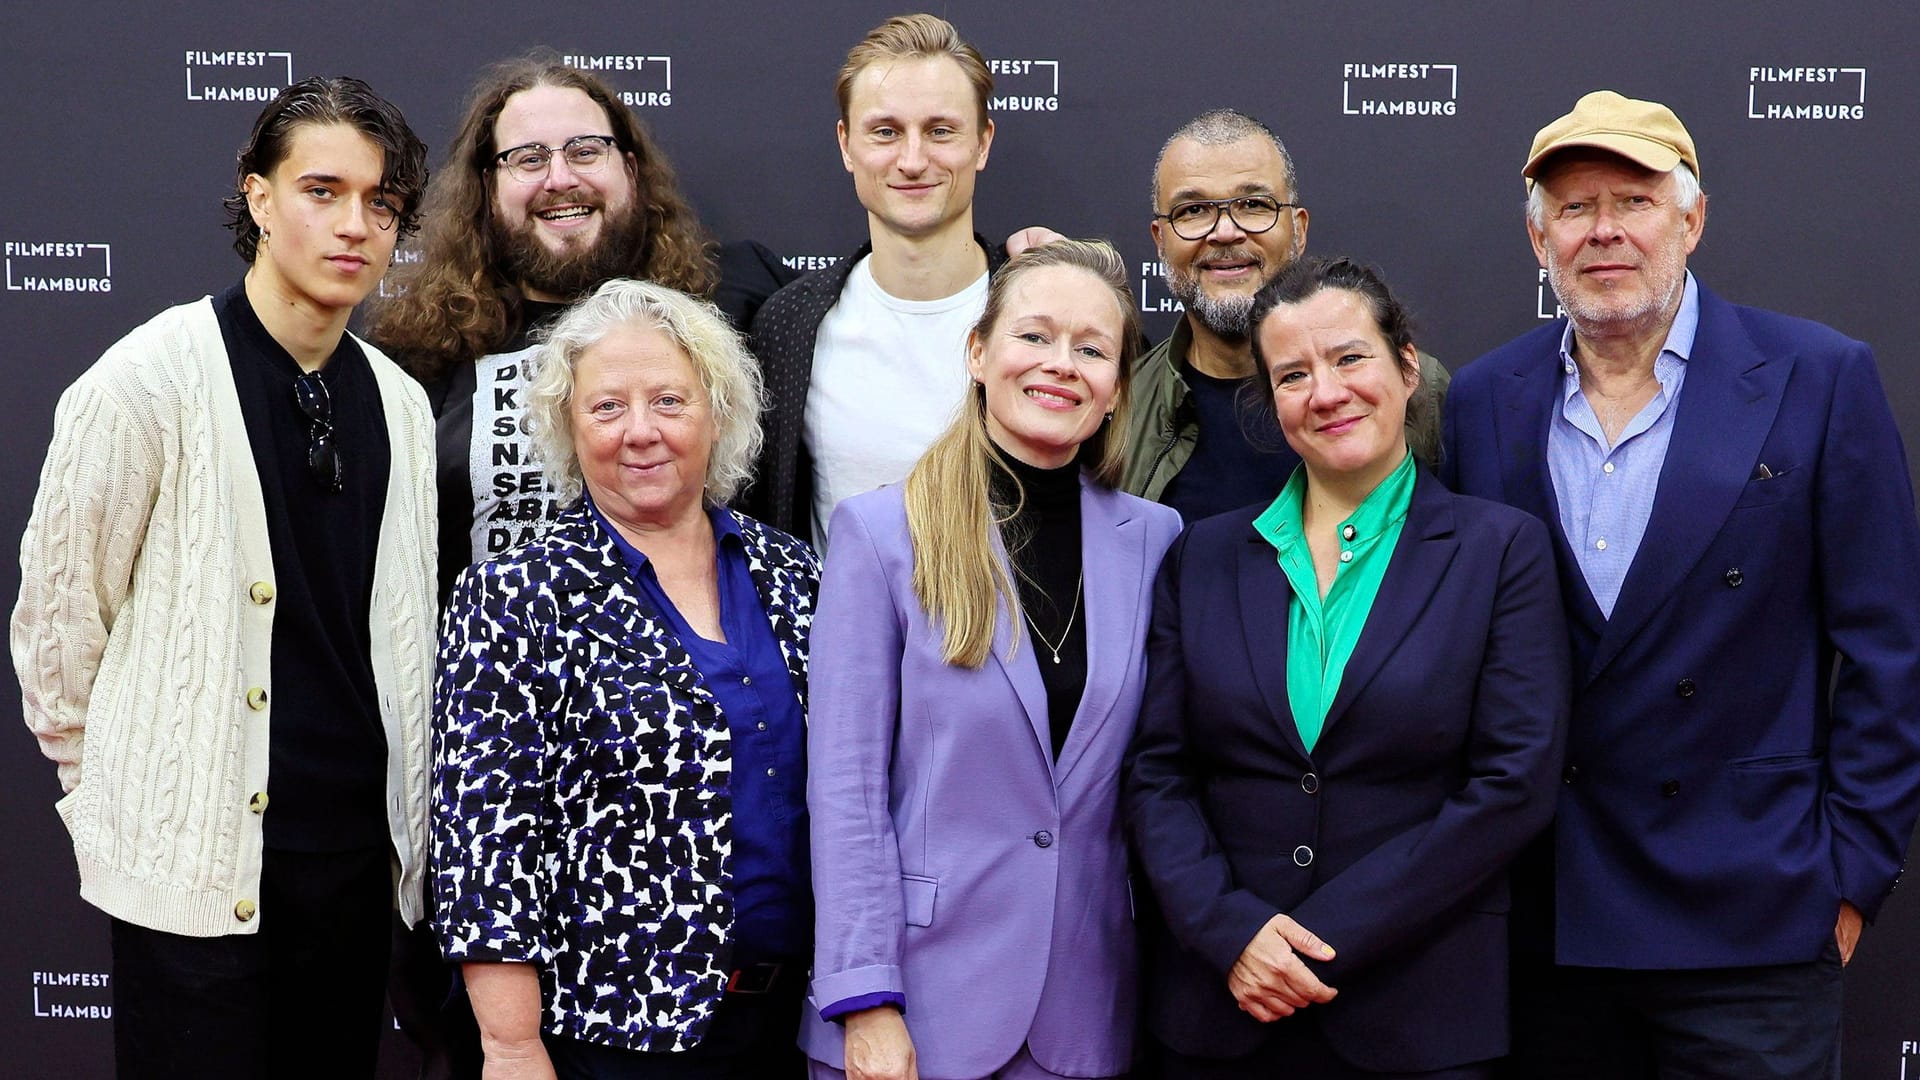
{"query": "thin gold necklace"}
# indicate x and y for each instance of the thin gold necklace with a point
(1053, 647)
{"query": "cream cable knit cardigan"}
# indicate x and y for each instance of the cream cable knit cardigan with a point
(143, 636)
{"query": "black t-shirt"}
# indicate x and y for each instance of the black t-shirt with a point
(327, 753)
(1240, 457)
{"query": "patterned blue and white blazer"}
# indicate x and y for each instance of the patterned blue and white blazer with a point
(581, 814)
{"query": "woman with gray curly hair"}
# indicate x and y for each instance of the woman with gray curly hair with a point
(619, 776)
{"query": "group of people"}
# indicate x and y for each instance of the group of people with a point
(1251, 705)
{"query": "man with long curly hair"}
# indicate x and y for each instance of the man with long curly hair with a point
(551, 187)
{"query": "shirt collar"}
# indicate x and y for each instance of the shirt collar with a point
(726, 533)
(1282, 523)
(1680, 335)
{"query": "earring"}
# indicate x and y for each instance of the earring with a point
(265, 236)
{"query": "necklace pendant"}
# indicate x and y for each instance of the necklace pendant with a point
(1056, 658)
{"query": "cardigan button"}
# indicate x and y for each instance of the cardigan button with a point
(258, 804)
(261, 592)
(244, 910)
(256, 698)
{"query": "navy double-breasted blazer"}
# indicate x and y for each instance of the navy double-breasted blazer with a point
(1390, 839)
(1745, 744)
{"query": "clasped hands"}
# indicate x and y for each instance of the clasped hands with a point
(1270, 980)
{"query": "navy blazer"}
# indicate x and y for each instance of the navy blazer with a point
(1390, 840)
(581, 813)
(1745, 748)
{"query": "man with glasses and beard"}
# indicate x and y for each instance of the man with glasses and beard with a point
(1227, 219)
(227, 594)
(551, 187)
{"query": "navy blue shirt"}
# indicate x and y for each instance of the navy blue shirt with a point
(1240, 457)
(747, 674)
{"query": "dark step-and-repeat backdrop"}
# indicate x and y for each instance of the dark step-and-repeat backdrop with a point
(1409, 121)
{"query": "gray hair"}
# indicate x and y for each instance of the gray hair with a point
(728, 377)
(1218, 127)
(1686, 192)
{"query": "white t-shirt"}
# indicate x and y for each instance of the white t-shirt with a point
(888, 375)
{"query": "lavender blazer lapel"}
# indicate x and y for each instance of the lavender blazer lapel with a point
(1113, 551)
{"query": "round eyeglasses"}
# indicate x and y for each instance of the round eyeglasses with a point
(1252, 214)
(584, 153)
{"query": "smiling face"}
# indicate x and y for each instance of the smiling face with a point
(1216, 276)
(1340, 391)
(330, 227)
(913, 140)
(564, 218)
(1615, 241)
(643, 429)
(1049, 364)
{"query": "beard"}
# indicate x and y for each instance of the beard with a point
(1228, 317)
(1666, 277)
(619, 249)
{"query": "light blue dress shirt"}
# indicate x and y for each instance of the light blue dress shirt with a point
(1605, 493)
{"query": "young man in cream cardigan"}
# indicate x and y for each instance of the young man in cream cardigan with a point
(225, 631)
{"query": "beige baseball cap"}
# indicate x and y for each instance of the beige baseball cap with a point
(1645, 132)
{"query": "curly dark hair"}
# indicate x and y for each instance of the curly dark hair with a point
(457, 303)
(338, 99)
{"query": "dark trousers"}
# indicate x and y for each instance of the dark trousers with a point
(1779, 1021)
(1296, 1051)
(301, 997)
(430, 1005)
(751, 1037)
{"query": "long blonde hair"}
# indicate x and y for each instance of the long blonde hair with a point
(951, 515)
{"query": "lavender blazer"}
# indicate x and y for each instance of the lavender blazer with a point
(954, 860)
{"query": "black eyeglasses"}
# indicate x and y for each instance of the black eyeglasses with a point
(1196, 219)
(584, 153)
(323, 458)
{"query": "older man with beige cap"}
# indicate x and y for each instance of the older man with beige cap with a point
(1740, 561)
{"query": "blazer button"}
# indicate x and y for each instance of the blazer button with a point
(1670, 788)
(261, 593)
(1569, 774)
(244, 911)
(256, 698)
(1303, 856)
(1735, 577)
(1043, 839)
(1685, 687)
(1309, 783)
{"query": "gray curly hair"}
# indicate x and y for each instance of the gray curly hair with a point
(728, 377)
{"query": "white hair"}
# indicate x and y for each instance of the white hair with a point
(728, 377)
(1686, 192)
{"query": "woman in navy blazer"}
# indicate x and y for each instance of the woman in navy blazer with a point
(970, 711)
(1334, 902)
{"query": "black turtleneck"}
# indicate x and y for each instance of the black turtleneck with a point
(1043, 538)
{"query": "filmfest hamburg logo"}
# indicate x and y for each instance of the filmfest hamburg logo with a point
(1399, 89)
(57, 266)
(71, 995)
(1153, 276)
(1547, 306)
(808, 263)
(1806, 93)
(1025, 85)
(641, 81)
(237, 75)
